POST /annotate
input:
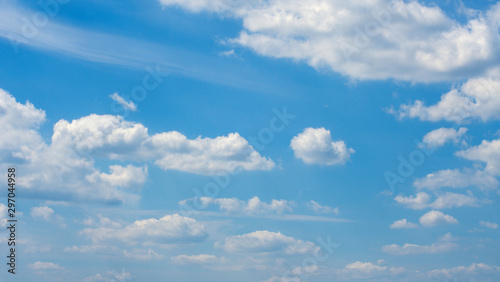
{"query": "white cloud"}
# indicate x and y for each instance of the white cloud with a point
(443, 200)
(166, 230)
(44, 213)
(487, 152)
(121, 101)
(322, 209)
(251, 207)
(488, 224)
(45, 266)
(367, 270)
(111, 276)
(370, 40)
(142, 254)
(443, 245)
(196, 259)
(419, 201)
(315, 146)
(119, 176)
(457, 179)
(412, 249)
(465, 272)
(433, 218)
(403, 223)
(266, 242)
(441, 136)
(3, 215)
(477, 99)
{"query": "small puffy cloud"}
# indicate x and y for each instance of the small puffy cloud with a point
(315, 146)
(487, 152)
(477, 99)
(457, 179)
(250, 207)
(266, 242)
(433, 218)
(368, 270)
(443, 200)
(441, 136)
(487, 224)
(111, 276)
(317, 208)
(121, 101)
(45, 266)
(403, 223)
(166, 230)
(195, 259)
(44, 213)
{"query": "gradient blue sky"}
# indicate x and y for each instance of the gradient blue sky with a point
(120, 118)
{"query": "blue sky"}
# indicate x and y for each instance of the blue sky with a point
(225, 140)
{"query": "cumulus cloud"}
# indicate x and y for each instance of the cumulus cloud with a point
(317, 208)
(457, 179)
(3, 215)
(250, 207)
(142, 254)
(487, 224)
(487, 152)
(433, 218)
(195, 259)
(445, 200)
(368, 270)
(122, 102)
(315, 146)
(403, 223)
(374, 40)
(166, 230)
(477, 99)
(44, 213)
(266, 242)
(441, 136)
(65, 169)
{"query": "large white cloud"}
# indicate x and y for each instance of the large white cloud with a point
(315, 146)
(166, 230)
(371, 40)
(266, 242)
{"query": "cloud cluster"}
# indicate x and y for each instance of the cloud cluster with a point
(250, 207)
(166, 230)
(374, 40)
(65, 169)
